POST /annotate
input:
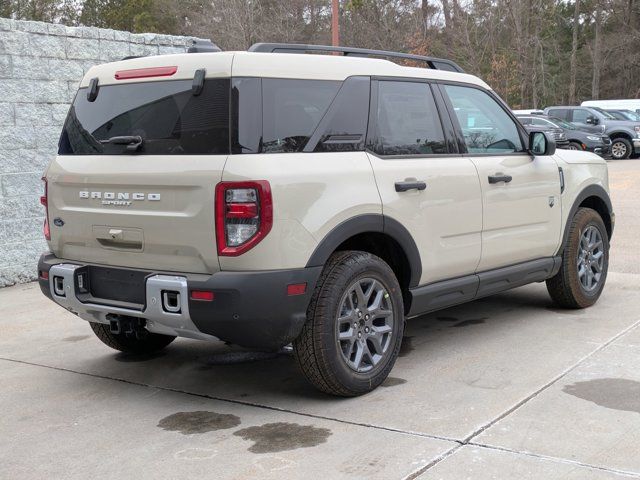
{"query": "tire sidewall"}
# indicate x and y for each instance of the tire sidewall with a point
(373, 268)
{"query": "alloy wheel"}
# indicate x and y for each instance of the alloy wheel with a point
(590, 258)
(618, 150)
(365, 324)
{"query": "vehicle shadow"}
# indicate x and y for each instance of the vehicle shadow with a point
(217, 370)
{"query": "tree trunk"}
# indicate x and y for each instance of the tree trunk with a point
(446, 10)
(574, 53)
(597, 53)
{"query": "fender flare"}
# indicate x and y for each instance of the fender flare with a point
(589, 191)
(370, 223)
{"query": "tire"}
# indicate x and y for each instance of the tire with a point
(567, 288)
(620, 148)
(574, 146)
(130, 342)
(343, 367)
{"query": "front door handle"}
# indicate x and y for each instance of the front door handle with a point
(498, 177)
(410, 185)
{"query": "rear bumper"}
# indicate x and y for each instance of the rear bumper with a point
(251, 309)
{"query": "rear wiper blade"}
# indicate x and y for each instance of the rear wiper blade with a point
(133, 142)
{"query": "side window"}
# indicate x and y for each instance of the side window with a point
(246, 115)
(561, 113)
(344, 127)
(486, 127)
(291, 111)
(580, 116)
(407, 120)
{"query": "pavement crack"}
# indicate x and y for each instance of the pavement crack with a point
(533, 395)
(237, 402)
(433, 462)
(556, 459)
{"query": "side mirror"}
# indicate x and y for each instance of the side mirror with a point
(541, 144)
(591, 120)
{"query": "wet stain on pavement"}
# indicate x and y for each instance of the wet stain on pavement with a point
(189, 423)
(615, 393)
(281, 436)
(407, 346)
(447, 319)
(138, 357)
(471, 321)
(392, 382)
(76, 338)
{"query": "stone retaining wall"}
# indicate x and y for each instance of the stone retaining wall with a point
(40, 67)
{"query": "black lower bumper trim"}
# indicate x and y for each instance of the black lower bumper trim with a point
(251, 309)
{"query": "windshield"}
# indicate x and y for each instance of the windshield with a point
(563, 123)
(626, 115)
(161, 118)
(604, 113)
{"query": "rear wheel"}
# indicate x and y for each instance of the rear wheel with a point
(620, 148)
(585, 262)
(354, 328)
(132, 342)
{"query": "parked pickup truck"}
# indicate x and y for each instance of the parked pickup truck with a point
(624, 134)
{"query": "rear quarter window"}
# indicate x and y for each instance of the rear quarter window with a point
(291, 111)
(166, 115)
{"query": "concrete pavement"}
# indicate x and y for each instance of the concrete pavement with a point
(505, 387)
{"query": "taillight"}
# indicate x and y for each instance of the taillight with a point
(44, 201)
(244, 215)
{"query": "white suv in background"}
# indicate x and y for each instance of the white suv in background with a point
(272, 197)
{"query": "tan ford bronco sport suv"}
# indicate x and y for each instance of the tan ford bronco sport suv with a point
(271, 197)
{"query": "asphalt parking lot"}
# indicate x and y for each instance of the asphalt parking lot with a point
(507, 387)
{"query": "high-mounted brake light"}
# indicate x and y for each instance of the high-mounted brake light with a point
(146, 72)
(244, 215)
(44, 201)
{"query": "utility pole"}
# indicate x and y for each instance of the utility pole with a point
(335, 24)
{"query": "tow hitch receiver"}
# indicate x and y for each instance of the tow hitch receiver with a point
(129, 326)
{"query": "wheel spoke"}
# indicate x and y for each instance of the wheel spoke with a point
(376, 340)
(359, 354)
(360, 296)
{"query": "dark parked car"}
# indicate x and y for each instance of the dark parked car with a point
(556, 132)
(624, 134)
(578, 139)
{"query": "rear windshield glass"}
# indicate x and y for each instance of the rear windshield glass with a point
(166, 116)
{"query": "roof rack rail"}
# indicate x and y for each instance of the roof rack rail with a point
(435, 63)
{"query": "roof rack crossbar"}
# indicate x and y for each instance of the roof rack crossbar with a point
(434, 63)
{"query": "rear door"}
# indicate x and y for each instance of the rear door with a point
(423, 182)
(133, 184)
(520, 192)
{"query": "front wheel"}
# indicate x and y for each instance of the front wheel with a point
(585, 262)
(354, 327)
(574, 146)
(620, 148)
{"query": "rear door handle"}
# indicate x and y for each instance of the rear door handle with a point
(498, 177)
(410, 185)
